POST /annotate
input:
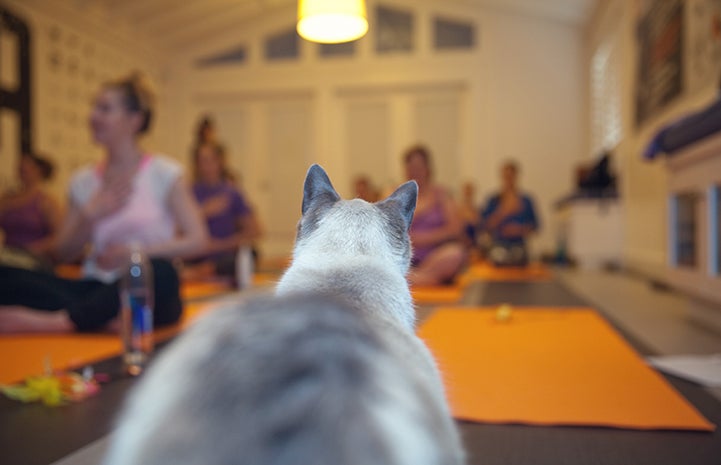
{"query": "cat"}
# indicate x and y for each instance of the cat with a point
(327, 371)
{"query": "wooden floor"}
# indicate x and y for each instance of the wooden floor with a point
(656, 319)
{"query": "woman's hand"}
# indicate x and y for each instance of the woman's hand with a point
(514, 230)
(508, 205)
(111, 197)
(450, 230)
(216, 205)
(113, 257)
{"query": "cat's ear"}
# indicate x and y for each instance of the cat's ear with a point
(405, 200)
(317, 189)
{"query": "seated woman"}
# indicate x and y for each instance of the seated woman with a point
(437, 229)
(131, 197)
(231, 221)
(508, 217)
(29, 216)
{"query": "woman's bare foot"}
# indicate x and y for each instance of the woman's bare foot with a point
(19, 319)
(113, 326)
(200, 271)
(440, 267)
(420, 278)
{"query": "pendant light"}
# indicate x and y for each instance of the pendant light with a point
(332, 21)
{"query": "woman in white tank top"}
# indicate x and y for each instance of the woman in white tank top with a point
(130, 197)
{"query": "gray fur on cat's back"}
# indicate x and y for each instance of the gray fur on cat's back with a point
(328, 371)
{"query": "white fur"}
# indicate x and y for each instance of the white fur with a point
(348, 254)
(351, 236)
(145, 414)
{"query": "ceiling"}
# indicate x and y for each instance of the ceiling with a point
(176, 24)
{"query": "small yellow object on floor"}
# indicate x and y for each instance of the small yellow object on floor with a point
(504, 313)
(53, 389)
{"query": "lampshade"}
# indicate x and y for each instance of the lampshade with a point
(332, 21)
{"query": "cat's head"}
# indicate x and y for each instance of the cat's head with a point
(347, 228)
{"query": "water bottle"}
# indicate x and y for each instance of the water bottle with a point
(244, 267)
(136, 299)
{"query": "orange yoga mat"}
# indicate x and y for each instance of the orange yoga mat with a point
(190, 290)
(483, 271)
(275, 264)
(265, 279)
(69, 271)
(201, 289)
(26, 355)
(426, 295)
(547, 366)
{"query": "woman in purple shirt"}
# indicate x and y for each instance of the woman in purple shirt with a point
(231, 221)
(130, 196)
(30, 217)
(437, 229)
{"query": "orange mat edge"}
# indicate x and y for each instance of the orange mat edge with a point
(698, 421)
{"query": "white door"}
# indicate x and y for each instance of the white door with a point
(268, 141)
(381, 125)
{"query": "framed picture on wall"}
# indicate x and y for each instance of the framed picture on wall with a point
(703, 67)
(660, 33)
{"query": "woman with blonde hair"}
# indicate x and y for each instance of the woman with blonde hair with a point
(131, 199)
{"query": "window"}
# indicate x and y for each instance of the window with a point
(685, 229)
(234, 56)
(606, 124)
(15, 80)
(394, 30)
(334, 50)
(282, 46)
(449, 34)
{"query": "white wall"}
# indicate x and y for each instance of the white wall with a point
(535, 109)
(71, 56)
(643, 184)
(519, 94)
